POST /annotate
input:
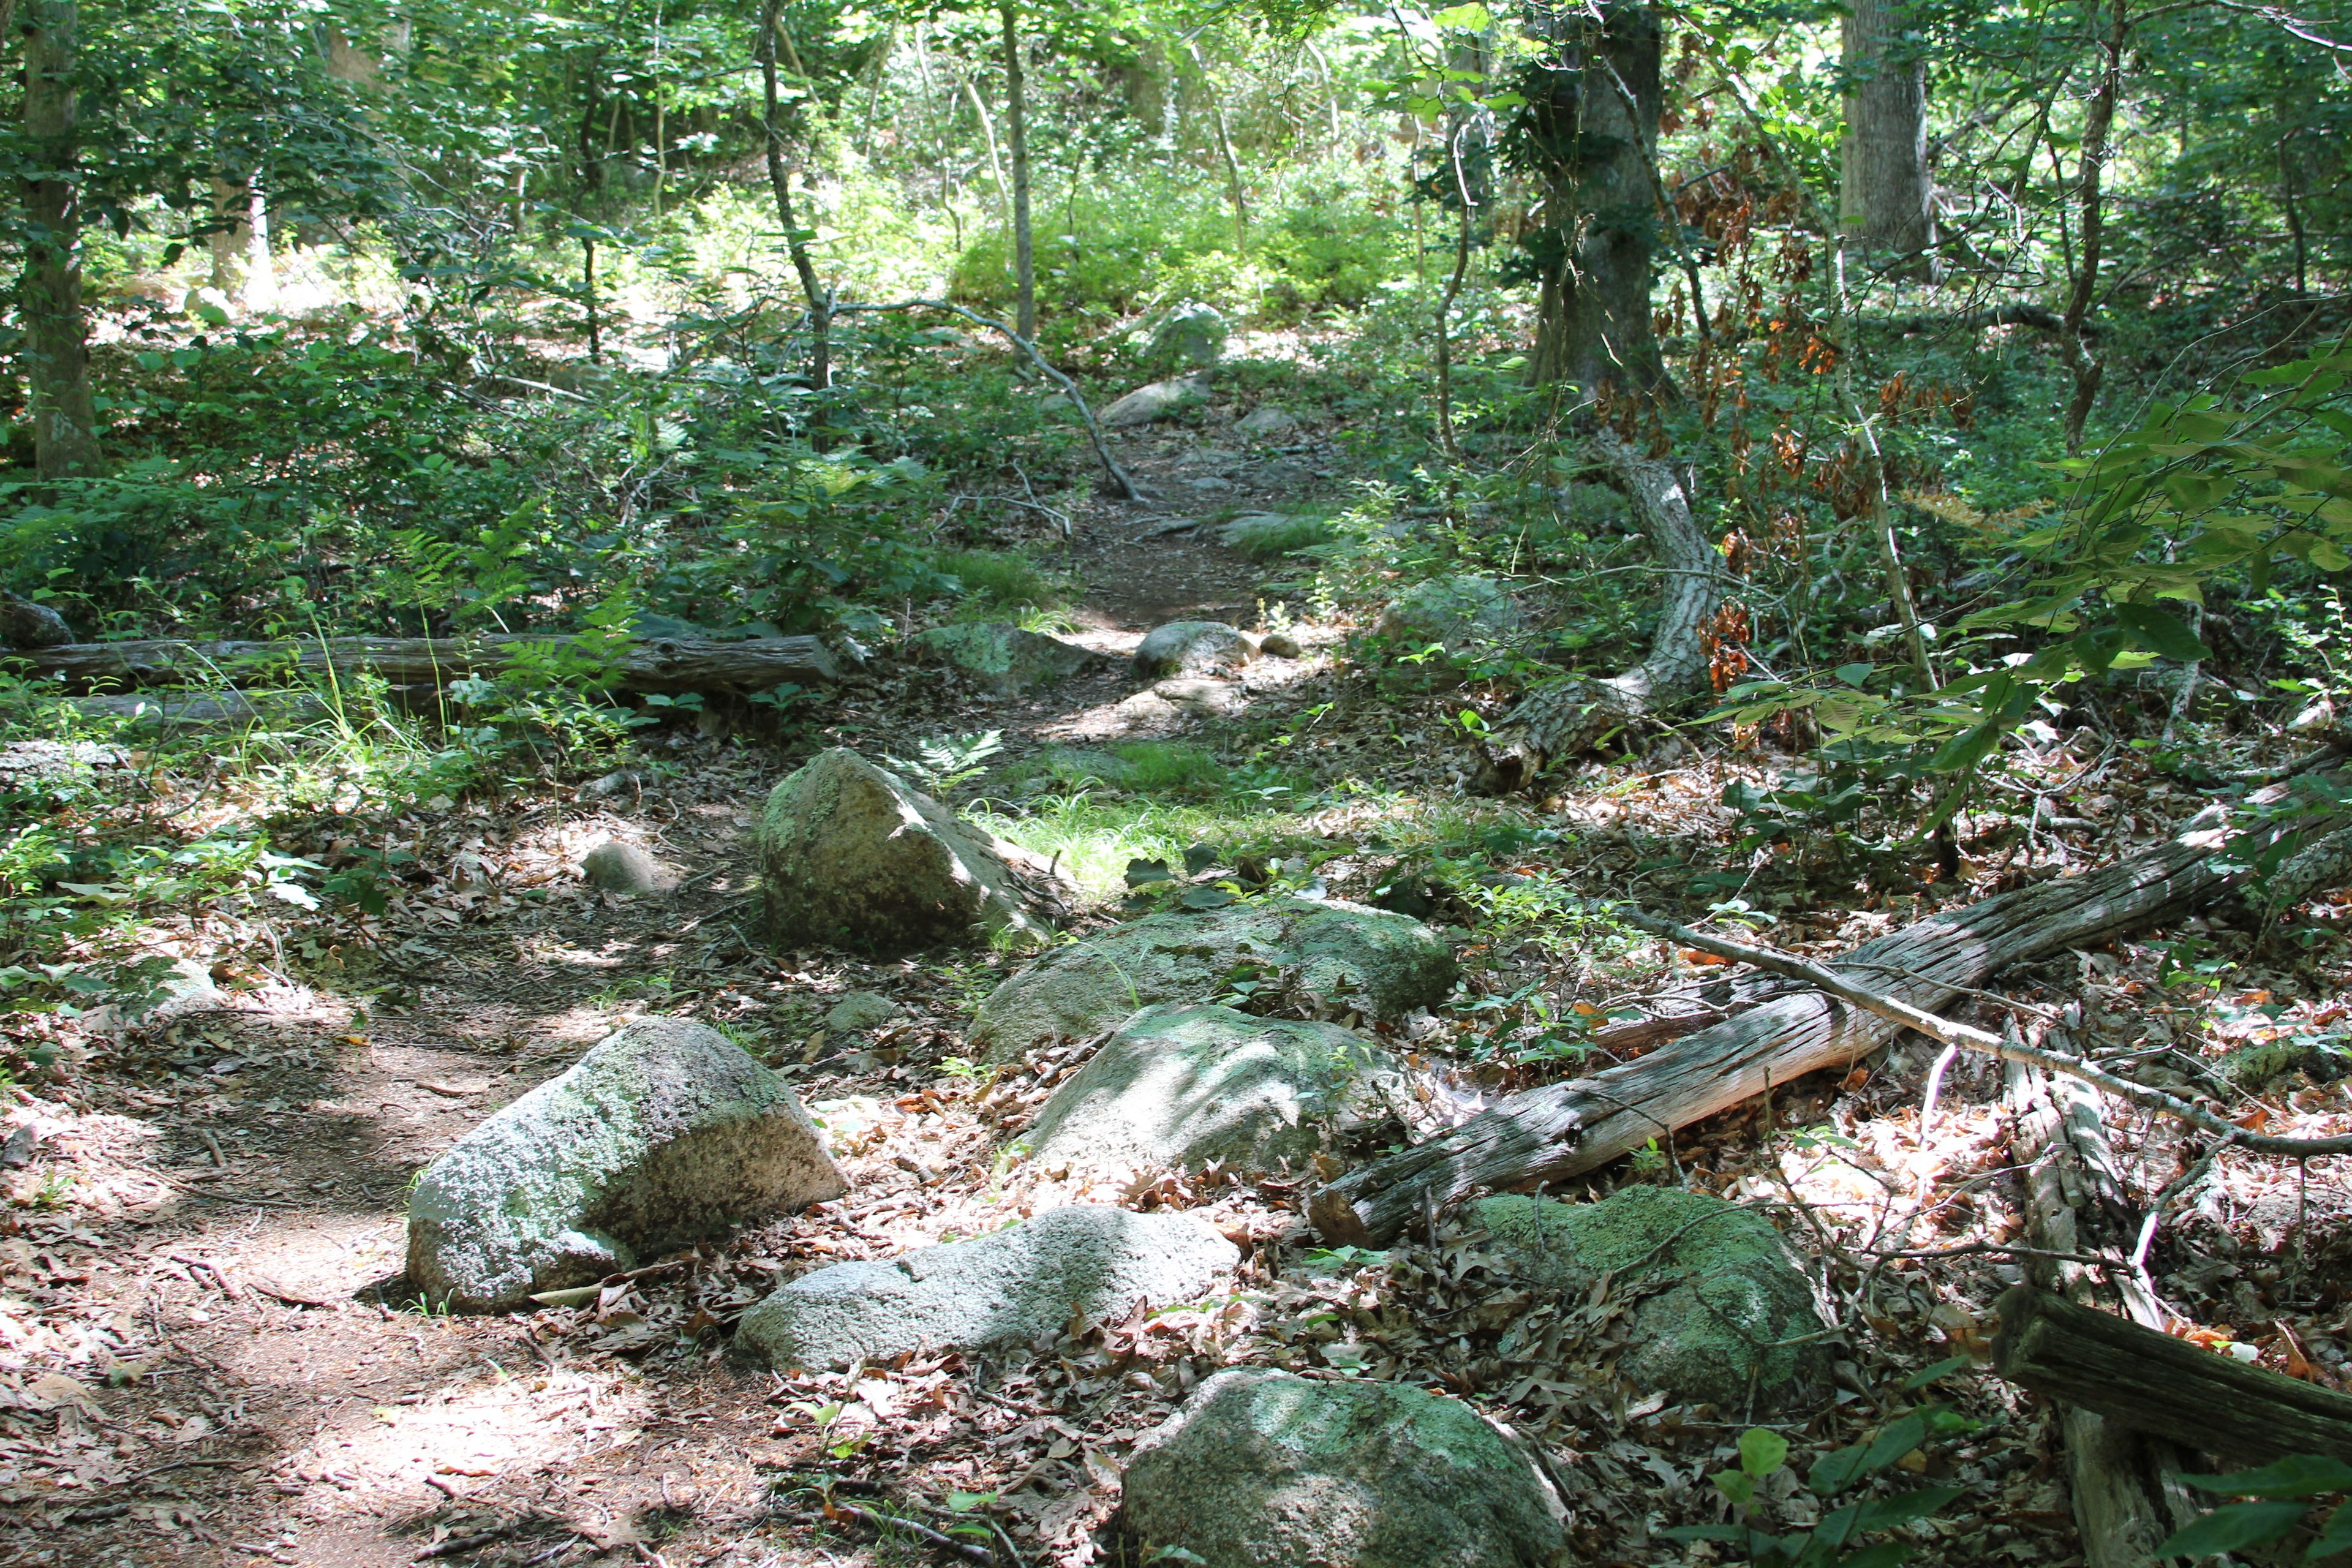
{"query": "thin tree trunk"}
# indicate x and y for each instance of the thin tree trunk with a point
(588, 292)
(820, 301)
(57, 336)
(1016, 127)
(995, 159)
(1445, 307)
(2098, 119)
(1891, 194)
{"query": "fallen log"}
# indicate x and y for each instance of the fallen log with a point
(1781, 1031)
(651, 664)
(2155, 1382)
(1562, 718)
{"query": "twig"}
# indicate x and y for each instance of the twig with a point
(888, 1522)
(456, 1544)
(1946, 1032)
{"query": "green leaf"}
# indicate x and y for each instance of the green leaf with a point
(1762, 1451)
(2298, 1476)
(1737, 1485)
(1855, 674)
(2162, 633)
(2334, 1536)
(1886, 1512)
(1899, 1438)
(1927, 1374)
(1885, 1554)
(2233, 1527)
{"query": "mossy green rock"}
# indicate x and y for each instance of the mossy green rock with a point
(1191, 647)
(1267, 1470)
(1003, 658)
(1003, 1288)
(856, 858)
(1178, 1087)
(1720, 1293)
(665, 1134)
(1340, 954)
(1459, 612)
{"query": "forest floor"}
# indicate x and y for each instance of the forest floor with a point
(203, 1251)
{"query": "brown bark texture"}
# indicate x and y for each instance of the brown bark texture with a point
(1890, 192)
(1780, 1032)
(656, 663)
(56, 335)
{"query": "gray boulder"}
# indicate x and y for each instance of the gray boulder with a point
(1190, 334)
(151, 991)
(665, 1134)
(1343, 956)
(1459, 612)
(1267, 1470)
(1720, 1293)
(1191, 647)
(614, 867)
(1267, 423)
(1179, 1087)
(1280, 645)
(1003, 658)
(860, 1011)
(854, 857)
(1003, 1288)
(1263, 535)
(1159, 400)
(29, 623)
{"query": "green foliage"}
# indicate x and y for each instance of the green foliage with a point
(1833, 1541)
(2282, 1497)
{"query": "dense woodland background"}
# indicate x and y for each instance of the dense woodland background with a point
(1791, 467)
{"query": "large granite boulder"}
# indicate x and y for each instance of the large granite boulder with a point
(1191, 647)
(1003, 1288)
(1342, 955)
(665, 1134)
(1190, 334)
(1267, 1470)
(1460, 612)
(1159, 400)
(1718, 1295)
(1003, 658)
(854, 857)
(1180, 1087)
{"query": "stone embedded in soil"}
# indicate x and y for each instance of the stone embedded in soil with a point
(1003, 658)
(1281, 645)
(1180, 1087)
(665, 1134)
(1265, 1469)
(1003, 1288)
(1192, 334)
(1191, 647)
(1336, 955)
(1200, 696)
(1267, 423)
(1159, 400)
(615, 866)
(1717, 1295)
(151, 991)
(1458, 612)
(854, 857)
(860, 1011)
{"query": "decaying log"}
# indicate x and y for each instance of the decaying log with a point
(2154, 1382)
(652, 664)
(2126, 1487)
(1785, 1031)
(1560, 718)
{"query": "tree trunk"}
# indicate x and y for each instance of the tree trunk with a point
(2098, 119)
(57, 338)
(1016, 132)
(1563, 717)
(243, 269)
(820, 300)
(1890, 193)
(1593, 115)
(1565, 1128)
(657, 664)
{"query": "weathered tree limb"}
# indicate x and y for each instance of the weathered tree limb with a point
(2155, 1382)
(1562, 718)
(2127, 1489)
(1945, 1032)
(1564, 1129)
(653, 664)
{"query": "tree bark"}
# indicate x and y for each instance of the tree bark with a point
(658, 664)
(2098, 119)
(2154, 1382)
(1562, 718)
(1565, 1128)
(1890, 192)
(243, 269)
(1016, 130)
(1593, 117)
(56, 335)
(820, 300)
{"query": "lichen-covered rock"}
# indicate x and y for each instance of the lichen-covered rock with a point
(665, 1134)
(1719, 1295)
(1281, 645)
(1267, 1470)
(1191, 647)
(1003, 658)
(1265, 536)
(28, 624)
(1458, 612)
(860, 1011)
(853, 857)
(1000, 1289)
(1190, 334)
(1179, 1087)
(615, 866)
(1267, 423)
(1159, 400)
(152, 991)
(1343, 956)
